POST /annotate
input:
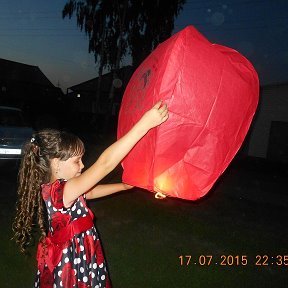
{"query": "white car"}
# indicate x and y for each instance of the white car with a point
(14, 132)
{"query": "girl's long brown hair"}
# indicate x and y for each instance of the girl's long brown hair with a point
(35, 170)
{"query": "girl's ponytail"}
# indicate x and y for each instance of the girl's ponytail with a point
(35, 170)
(30, 205)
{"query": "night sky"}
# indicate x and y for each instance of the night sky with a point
(33, 32)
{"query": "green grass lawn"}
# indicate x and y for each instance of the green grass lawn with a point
(148, 242)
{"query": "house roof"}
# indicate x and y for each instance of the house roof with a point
(15, 71)
(124, 74)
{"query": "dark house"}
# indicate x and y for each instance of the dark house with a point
(25, 86)
(96, 100)
(269, 130)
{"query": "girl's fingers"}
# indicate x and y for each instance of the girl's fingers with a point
(158, 104)
(163, 111)
(163, 119)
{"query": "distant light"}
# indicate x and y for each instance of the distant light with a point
(78, 95)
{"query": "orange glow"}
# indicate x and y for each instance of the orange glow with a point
(162, 186)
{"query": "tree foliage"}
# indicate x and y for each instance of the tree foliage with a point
(117, 28)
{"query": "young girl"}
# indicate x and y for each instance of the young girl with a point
(69, 254)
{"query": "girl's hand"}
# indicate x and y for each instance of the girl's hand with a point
(155, 116)
(127, 186)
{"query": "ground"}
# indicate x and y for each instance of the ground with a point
(236, 236)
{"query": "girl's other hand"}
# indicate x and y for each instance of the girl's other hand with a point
(156, 115)
(127, 186)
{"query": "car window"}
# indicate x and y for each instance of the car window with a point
(9, 117)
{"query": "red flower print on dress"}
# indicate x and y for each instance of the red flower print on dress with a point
(68, 276)
(60, 221)
(89, 247)
(83, 285)
(57, 194)
(99, 253)
(46, 192)
(77, 247)
(108, 283)
(46, 278)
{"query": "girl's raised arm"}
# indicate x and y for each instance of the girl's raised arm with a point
(113, 155)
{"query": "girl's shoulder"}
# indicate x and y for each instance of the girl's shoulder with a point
(56, 183)
(54, 192)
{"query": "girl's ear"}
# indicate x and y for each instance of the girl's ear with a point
(54, 164)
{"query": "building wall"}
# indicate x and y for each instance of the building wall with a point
(273, 106)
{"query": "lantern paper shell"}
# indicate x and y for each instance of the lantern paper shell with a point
(212, 94)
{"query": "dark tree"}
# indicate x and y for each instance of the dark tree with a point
(118, 28)
(151, 23)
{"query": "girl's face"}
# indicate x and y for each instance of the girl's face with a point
(70, 168)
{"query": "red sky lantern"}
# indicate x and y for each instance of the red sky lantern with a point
(212, 94)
